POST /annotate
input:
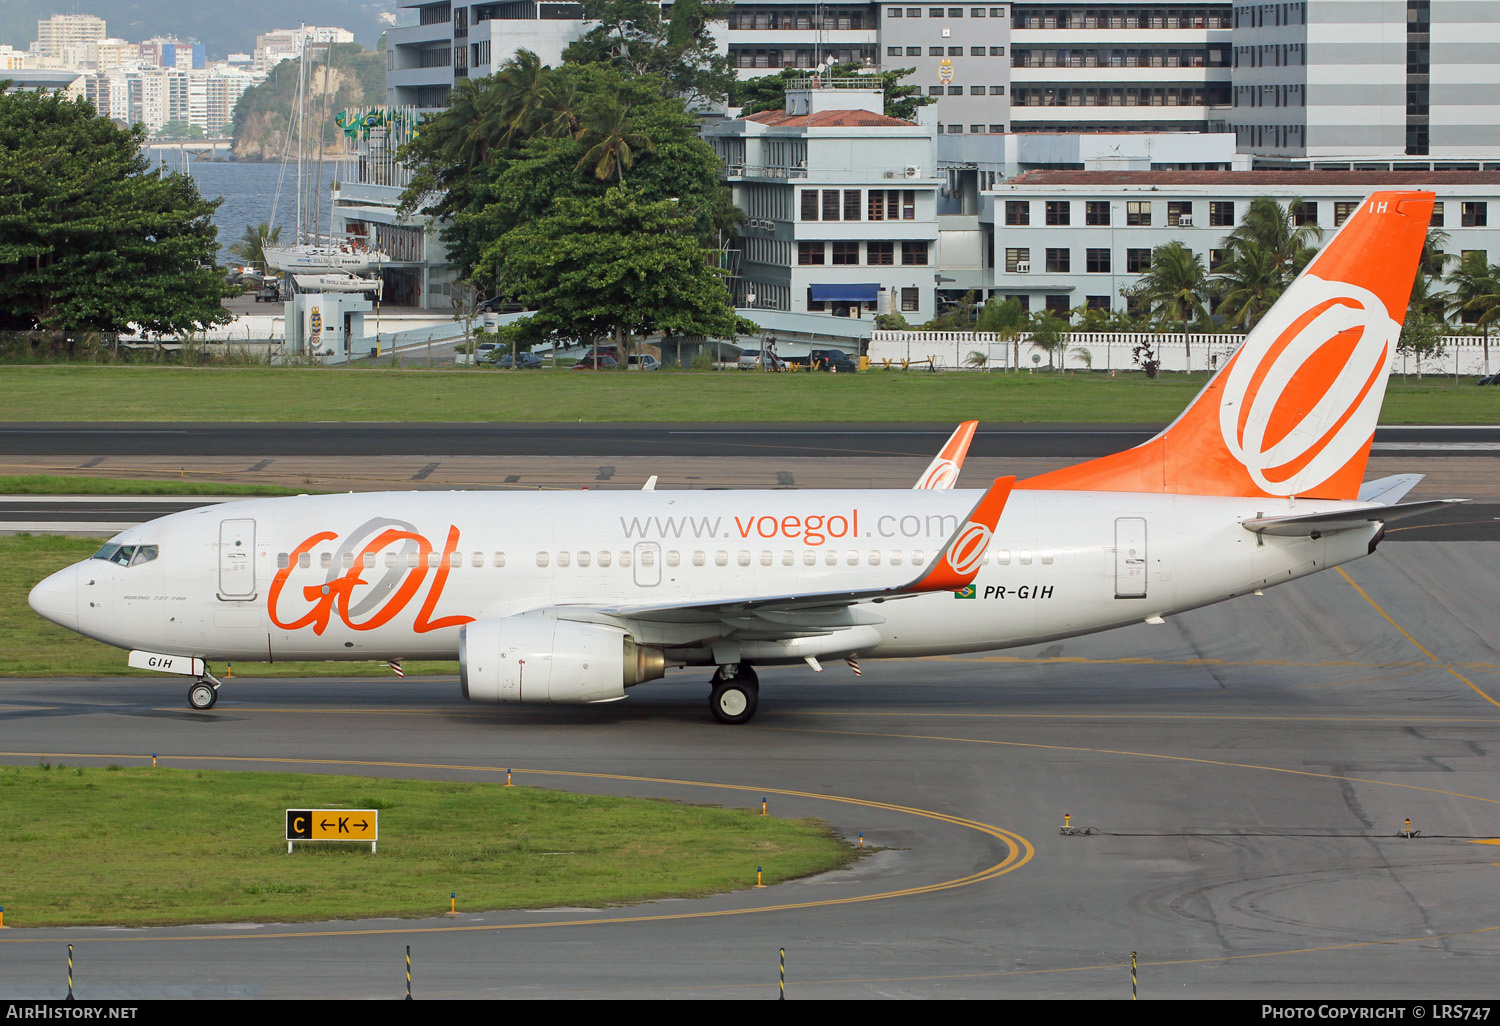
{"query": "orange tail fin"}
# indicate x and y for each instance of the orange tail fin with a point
(1293, 412)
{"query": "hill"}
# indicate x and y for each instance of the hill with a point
(356, 80)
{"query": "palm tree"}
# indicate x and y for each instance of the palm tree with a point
(1434, 263)
(557, 114)
(251, 249)
(1264, 256)
(1005, 318)
(1476, 293)
(1175, 288)
(519, 86)
(612, 144)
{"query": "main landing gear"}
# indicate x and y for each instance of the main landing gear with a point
(736, 693)
(204, 693)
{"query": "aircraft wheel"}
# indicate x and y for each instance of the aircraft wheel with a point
(733, 701)
(203, 695)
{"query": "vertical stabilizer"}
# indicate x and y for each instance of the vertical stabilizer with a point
(1293, 412)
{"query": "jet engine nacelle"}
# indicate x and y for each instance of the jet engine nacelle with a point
(539, 659)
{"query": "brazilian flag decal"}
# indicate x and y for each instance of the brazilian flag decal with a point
(965, 592)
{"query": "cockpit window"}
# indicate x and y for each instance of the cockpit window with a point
(127, 555)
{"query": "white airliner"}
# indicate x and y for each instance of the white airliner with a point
(576, 597)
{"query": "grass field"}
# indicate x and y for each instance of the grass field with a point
(51, 484)
(33, 647)
(139, 846)
(58, 393)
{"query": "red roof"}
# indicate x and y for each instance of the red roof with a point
(1258, 178)
(827, 119)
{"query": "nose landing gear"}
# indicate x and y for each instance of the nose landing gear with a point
(735, 694)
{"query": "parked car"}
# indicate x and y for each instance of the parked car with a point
(761, 360)
(644, 361)
(604, 351)
(487, 351)
(834, 360)
(604, 363)
(526, 361)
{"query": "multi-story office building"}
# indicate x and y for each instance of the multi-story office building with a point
(57, 34)
(1061, 67)
(841, 203)
(1323, 79)
(1060, 240)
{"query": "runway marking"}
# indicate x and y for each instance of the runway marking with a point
(1019, 850)
(1144, 755)
(1151, 661)
(1420, 647)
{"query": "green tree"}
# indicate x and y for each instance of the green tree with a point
(251, 249)
(1476, 295)
(1049, 333)
(487, 183)
(616, 265)
(768, 92)
(1264, 256)
(678, 50)
(90, 239)
(1421, 337)
(1175, 289)
(1006, 319)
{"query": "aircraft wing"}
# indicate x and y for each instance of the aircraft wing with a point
(1389, 490)
(1316, 524)
(818, 612)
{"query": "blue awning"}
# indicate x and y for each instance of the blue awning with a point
(868, 293)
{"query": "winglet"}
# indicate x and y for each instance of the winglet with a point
(942, 472)
(959, 562)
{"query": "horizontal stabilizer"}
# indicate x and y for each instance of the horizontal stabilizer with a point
(1389, 490)
(1312, 525)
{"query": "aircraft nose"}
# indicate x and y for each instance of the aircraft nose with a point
(56, 598)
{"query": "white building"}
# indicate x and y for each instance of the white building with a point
(56, 34)
(1060, 240)
(841, 203)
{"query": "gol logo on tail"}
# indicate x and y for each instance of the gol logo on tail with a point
(364, 605)
(1312, 354)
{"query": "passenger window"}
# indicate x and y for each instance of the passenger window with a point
(477, 560)
(304, 560)
(765, 557)
(283, 560)
(874, 559)
(673, 558)
(564, 558)
(604, 559)
(391, 560)
(788, 557)
(648, 557)
(584, 558)
(744, 557)
(542, 559)
(917, 559)
(809, 557)
(1025, 557)
(1047, 557)
(434, 560)
(1002, 556)
(369, 560)
(624, 559)
(499, 560)
(895, 557)
(831, 558)
(699, 559)
(347, 559)
(413, 557)
(851, 557)
(456, 560)
(325, 560)
(721, 558)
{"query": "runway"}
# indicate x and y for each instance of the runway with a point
(809, 440)
(1245, 767)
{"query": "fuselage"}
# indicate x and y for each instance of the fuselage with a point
(390, 576)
